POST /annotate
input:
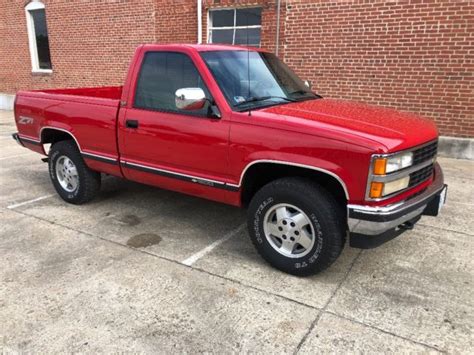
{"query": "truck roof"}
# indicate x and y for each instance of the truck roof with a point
(203, 47)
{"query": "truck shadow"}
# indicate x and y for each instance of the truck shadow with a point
(163, 222)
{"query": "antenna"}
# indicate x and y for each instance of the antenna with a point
(248, 59)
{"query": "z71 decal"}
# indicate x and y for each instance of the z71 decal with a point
(25, 120)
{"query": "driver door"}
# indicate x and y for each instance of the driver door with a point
(160, 143)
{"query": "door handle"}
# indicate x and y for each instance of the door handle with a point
(131, 123)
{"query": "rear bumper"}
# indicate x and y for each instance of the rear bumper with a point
(371, 226)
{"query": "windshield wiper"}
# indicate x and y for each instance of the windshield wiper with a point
(304, 92)
(263, 98)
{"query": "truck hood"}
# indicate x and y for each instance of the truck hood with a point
(394, 129)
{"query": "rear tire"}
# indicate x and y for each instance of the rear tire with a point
(296, 226)
(71, 177)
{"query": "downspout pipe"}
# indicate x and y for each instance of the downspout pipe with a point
(277, 36)
(199, 15)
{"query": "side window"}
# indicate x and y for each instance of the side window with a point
(161, 74)
(38, 37)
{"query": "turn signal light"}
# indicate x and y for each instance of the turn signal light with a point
(380, 166)
(376, 189)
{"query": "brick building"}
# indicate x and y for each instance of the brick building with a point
(414, 55)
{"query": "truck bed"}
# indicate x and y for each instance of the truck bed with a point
(89, 115)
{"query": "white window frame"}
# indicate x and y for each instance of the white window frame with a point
(234, 27)
(34, 5)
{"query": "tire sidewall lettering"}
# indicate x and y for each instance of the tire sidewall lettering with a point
(307, 260)
(319, 242)
(258, 215)
(52, 167)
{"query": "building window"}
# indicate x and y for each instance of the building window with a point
(38, 37)
(235, 26)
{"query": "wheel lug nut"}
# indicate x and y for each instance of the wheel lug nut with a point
(284, 236)
(280, 229)
(292, 239)
(297, 233)
(284, 223)
(292, 224)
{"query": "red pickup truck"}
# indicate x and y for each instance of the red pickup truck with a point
(236, 125)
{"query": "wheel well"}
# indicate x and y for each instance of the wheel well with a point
(261, 174)
(51, 135)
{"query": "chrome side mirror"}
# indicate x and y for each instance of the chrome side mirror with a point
(307, 83)
(190, 99)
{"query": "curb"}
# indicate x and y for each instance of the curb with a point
(458, 148)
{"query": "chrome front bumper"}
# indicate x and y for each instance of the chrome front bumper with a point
(370, 226)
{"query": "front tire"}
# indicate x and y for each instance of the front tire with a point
(296, 226)
(71, 177)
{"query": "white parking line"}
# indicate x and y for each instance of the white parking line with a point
(195, 257)
(15, 205)
(15, 156)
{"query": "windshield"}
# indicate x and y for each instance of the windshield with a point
(271, 81)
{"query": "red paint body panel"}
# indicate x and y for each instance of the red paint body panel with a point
(255, 138)
(106, 92)
(334, 136)
(177, 142)
(89, 115)
(394, 129)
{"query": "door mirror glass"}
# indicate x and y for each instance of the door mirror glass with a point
(190, 99)
(307, 83)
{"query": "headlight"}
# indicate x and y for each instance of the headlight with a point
(387, 165)
(381, 189)
(382, 181)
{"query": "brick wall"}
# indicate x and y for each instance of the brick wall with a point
(91, 42)
(411, 55)
(176, 21)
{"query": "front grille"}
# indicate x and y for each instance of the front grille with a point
(425, 153)
(421, 155)
(421, 175)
